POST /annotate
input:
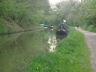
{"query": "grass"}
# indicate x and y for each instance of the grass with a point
(71, 55)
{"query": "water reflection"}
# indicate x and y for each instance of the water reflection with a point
(18, 49)
(52, 43)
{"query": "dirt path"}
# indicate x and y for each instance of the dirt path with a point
(91, 42)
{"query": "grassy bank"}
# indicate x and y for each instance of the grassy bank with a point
(72, 55)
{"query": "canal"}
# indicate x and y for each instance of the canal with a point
(18, 49)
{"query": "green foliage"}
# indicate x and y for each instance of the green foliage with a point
(87, 15)
(78, 13)
(71, 55)
(66, 10)
(24, 13)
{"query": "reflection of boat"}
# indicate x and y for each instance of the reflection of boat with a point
(52, 43)
(49, 40)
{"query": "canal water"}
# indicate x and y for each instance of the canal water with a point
(18, 49)
(52, 43)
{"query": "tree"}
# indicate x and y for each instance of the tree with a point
(24, 13)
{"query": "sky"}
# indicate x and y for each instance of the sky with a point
(53, 2)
